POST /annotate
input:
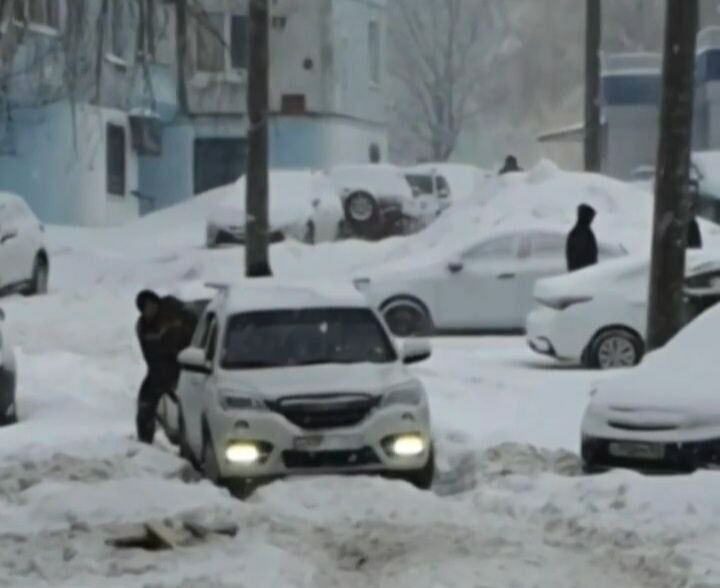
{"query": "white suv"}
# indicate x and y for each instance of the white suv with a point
(286, 378)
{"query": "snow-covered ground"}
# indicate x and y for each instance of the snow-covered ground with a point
(509, 509)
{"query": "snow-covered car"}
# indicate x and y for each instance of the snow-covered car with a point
(8, 377)
(24, 261)
(598, 316)
(663, 415)
(431, 187)
(304, 206)
(288, 378)
(464, 181)
(484, 285)
(378, 201)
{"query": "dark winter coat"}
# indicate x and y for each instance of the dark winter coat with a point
(581, 249)
(694, 235)
(162, 339)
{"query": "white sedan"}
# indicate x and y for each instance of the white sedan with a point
(598, 316)
(24, 261)
(485, 285)
(663, 416)
(304, 206)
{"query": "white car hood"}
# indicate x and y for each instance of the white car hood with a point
(271, 384)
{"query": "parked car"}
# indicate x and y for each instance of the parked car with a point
(24, 261)
(597, 317)
(663, 416)
(8, 378)
(304, 206)
(431, 187)
(285, 378)
(378, 201)
(485, 285)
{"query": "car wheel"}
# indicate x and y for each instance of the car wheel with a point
(185, 451)
(40, 277)
(616, 348)
(407, 318)
(210, 465)
(309, 237)
(423, 478)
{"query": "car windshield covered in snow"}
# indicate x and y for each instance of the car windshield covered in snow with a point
(291, 338)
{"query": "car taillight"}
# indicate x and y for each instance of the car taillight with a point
(563, 303)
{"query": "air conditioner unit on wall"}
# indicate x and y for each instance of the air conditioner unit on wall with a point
(146, 133)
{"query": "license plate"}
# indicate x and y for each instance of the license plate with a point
(646, 451)
(327, 442)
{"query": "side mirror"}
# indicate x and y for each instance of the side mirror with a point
(455, 266)
(416, 351)
(194, 360)
(316, 203)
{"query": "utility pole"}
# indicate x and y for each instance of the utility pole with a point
(257, 256)
(593, 39)
(672, 197)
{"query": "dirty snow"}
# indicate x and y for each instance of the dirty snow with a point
(509, 510)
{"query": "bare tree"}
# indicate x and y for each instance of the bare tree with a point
(435, 47)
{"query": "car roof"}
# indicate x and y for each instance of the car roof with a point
(262, 294)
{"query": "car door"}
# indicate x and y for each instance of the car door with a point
(542, 255)
(11, 262)
(192, 386)
(479, 290)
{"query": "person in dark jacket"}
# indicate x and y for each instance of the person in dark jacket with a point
(581, 249)
(163, 330)
(694, 234)
(511, 165)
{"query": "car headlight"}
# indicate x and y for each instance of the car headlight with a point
(407, 395)
(231, 400)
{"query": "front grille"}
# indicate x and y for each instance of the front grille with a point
(328, 411)
(329, 459)
(641, 428)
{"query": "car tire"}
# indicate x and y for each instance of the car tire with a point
(407, 318)
(210, 465)
(185, 452)
(614, 349)
(362, 214)
(423, 478)
(40, 276)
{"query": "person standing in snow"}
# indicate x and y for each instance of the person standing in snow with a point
(694, 234)
(511, 166)
(163, 330)
(581, 249)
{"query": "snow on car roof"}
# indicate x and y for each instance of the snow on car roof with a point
(598, 276)
(275, 294)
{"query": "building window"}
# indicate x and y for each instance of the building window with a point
(374, 51)
(218, 162)
(118, 29)
(238, 42)
(293, 104)
(42, 13)
(116, 163)
(210, 43)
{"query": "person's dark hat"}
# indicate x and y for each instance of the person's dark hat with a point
(144, 297)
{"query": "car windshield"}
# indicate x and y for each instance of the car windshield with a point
(420, 184)
(291, 338)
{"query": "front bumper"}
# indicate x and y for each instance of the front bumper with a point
(553, 333)
(360, 448)
(678, 457)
